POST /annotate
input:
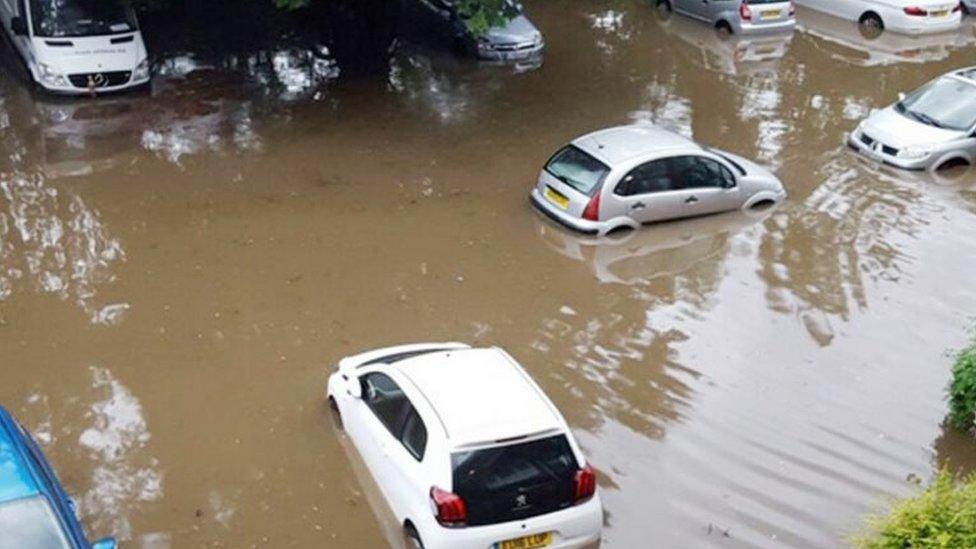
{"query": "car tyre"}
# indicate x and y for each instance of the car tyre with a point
(871, 25)
(412, 536)
(336, 414)
(724, 28)
(664, 9)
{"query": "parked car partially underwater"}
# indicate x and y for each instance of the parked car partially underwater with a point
(905, 16)
(737, 16)
(35, 511)
(627, 176)
(77, 46)
(858, 45)
(933, 127)
(515, 40)
(466, 449)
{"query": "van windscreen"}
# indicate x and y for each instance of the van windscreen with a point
(77, 18)
(515, 481)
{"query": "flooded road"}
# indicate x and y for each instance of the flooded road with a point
(180, 270)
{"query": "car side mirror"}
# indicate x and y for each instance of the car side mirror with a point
(105, 543)
(355, 389)
(18, 26)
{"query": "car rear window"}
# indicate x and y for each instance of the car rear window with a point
(515, 481)
(578, 169)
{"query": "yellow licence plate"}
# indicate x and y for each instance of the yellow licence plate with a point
(770, 14)
(558, 200)
(939, 13)
(527, 542)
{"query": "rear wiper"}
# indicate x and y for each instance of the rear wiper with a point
(562, 178)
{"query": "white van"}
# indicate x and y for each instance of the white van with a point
(904, 16)
(77, 46)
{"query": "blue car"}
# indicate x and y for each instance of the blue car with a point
(35, 512)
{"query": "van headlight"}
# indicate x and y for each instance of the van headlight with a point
(50, 76)
(914, 153)
(142, 70)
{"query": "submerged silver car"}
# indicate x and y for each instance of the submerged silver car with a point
(515, 40)
(737, 16)
(930, 128)
(626, 176)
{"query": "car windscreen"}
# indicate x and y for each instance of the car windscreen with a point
(515, 481)
(578, 169)
(30, 522)
(944, 103)
(78, 18)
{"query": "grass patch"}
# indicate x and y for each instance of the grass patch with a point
(942, 516)
(962, 390)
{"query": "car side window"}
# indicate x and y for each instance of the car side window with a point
(414, 435)
(698, 172)
(647, 178)
(386, 399)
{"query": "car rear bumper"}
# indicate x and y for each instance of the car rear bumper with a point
(765, 28)
(581, 225)
(575, 527)
(922, 25)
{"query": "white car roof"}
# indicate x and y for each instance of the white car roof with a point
(622, 143)
(481, 396)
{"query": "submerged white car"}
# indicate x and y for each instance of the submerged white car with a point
(930, 128)
(466, 449)
(623, 177)
(77, 46)
(905, 16)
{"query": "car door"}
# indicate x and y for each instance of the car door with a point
(694, 8)
(383, 410)
(411, 485)
(710, 186)
(638, 193)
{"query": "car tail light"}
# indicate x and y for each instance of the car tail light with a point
(451, 510)
(916, 11)
(744, 12)
(584, 485)
(592, 211)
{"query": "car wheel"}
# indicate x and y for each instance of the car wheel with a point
(336, 415)
(724, 28)
(871, 25)
(412, 537)
(663, 9)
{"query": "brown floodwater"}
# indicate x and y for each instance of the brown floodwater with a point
(180, 269)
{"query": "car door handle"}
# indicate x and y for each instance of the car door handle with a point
(691, 200)
(638, 206)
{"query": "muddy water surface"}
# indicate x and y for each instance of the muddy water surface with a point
(179, 270)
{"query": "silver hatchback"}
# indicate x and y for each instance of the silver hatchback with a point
(626, 176)
(737, 16)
